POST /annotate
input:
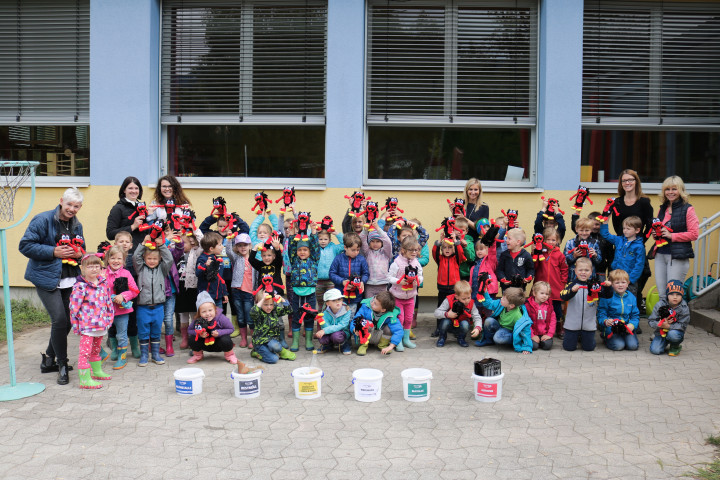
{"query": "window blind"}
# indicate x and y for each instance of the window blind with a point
(452, 61)
(651, 63)
(44, 61)
(230, 62)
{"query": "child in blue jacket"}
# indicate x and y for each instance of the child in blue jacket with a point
(346, 266)
(328, 251)
(629, 250)
(618, 316)
(510, 323)
(334, 324)
(378, 314)
(304, 256)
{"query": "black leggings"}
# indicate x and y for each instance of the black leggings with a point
(57, 304)
(222, 344)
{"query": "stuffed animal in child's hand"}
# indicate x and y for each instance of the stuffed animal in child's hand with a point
(656, 232)
(157, 229)
(233, 225)
(176, 221)
(169, 206)
(262, 204)
(512, 216)
(391, 205)
(307, 309)
(357, 200)
(267, 284)
(219, 208)
(120, 286)
(582, 194)
(609, 208)
(103, 248)
(619, 327)
(448, 227)
(327, 224)
(140, 210)
(458, 207)
(539, 247)
(483, 284)
(594, 289)
(288, 198)
(409, 278)
(274, 237)
(371, 214)
(362, 328)
(583, 249)
(209, 326)
(488, 237)
(302, 223)
(188, 222)
(213, 269)
(669, 316)
(553, 207)
(462, 311)
(353, 288)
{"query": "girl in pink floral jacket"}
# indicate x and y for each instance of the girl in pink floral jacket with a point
(91, 314)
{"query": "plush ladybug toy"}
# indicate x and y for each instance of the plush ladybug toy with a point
(157, 229)
(140, 211)
(656, 232)
(288, 198)
(303, 225)
(209, 326)
(371, 214)
(219, 208)
(448, 227)
(552, 208)
(409, 279)
(667, 314)
(391, 205)
(353, 288)
(580, 196)
(327, 224)
(357, 199)
(262, 204)
(512, 216)
(609, 208)
(458, 207)
(539, 247)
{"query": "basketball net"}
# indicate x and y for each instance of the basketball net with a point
(12, 177)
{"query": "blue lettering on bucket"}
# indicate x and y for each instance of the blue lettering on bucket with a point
(184, 387)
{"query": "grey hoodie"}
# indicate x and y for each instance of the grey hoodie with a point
(683, 316)
(151, 281)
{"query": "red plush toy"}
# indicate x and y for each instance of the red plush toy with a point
(103, 248)
(188, 222)
(140, 211)
(552, 208)
(267, 284)
(668, 315)
(169, 207)
(362, 329)
(391, 205)
(327, 224)
(353, 288)
(262, 204)
(582, 248)
(409, 279)
(609, 208)
(303, 225)
(233, 225)
(202, 325)
(371, 214)
(580, 196)
(219, 208)
(511, 216)
(157, 229)
(539, 246)
(656, 232)
(268, 245)
(307, 309)
(448, 227)
(288, 198)
(458, 207)
(357, 199)
(483, 284)
(619, 327)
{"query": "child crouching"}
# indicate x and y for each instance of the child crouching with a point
(455, 314)
(377, 321)
(509, 323)
(210, 332)
(669, 318)
(270, 346)
(334, 324)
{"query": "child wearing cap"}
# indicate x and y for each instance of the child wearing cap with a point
(241, 286)
(268, 335)
(335, 323)
(304, 256)
(220, 328)
(377, 249)
(670, 317)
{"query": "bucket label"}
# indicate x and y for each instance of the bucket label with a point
(184, 387)
(417, 389)
(308, 388)
(487, 389)
(367, 389)
(248, 387)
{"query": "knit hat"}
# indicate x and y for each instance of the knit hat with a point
(303, 243)
(203, 297)
(242, 238)
(374, 235)
(675, 286)
(332, 294)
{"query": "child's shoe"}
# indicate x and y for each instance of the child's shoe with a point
(230, 357)
(441, 340)
(113, 349)
(406, 340)
(308, 340)
(184, 342)
(462, 342)
(484, 342)
(412, 335)
(144, 349)
(155, 351)
(295, 341)
(362, 349)
(243, 337)
(346, 348)
(235, 323)
(286, 354)
(86, 380)
(135, 347)
(675, 350)
(169, 351)
(250, 344)
(103, 354)
(97, 371)
(122, 358)
(384, 342)
(196, 357)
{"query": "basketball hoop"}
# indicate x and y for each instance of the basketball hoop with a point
(13, 175)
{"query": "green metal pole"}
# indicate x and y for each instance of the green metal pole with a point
(8, 312)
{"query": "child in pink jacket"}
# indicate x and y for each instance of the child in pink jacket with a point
(377, 250)
(124, 289)
(540, 310)
(405, 275)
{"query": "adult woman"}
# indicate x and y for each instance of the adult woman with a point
(168, 188)
(475, 209)
(53, 278)
(672, 261)
(631, 202)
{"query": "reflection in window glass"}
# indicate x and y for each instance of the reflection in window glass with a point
(438, 153)
(246, 151)
(61, 150)
(655, 155)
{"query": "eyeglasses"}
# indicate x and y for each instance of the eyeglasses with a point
(88, 267)
(166, 187)
(628, 181)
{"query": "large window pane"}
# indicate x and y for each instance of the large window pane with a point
(61, 150)
(655, 155)
(246, 151)
(439, 153)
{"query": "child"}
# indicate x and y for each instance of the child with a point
(172, 285)
(379, 314)
(515, 266)
(123, 239)
(152, 266)
(584, 227)
(348, 265)
(669, 329)
(91, 314)
(328, 252)
(401, 230)
(377, 250)
(509, 323)
(448, 258)
(209, 269)
(502, 223)
(468, 246)
(580, 319)
(304, 257)
(241, 287)
(224, 257)
(541, 312)
(606, 248)
(629, 250)
(187, 307)
(335, 331)
(260, 232)
(456, 312)
(213, 338)
(404, 287)
(115, 259)
(485, 262)
(557, 222)
(554, 271)
(268, 335)
(270, 263)
(622, 306)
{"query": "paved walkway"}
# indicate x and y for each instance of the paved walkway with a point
(577, 415)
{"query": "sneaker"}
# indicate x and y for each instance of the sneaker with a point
(256, 355)
(675, 350)
(346, 349)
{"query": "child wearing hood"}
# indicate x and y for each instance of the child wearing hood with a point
(377, 249)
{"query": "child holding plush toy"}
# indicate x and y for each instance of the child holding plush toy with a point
(124, 289)
(349, 271)
(670, 317)
(405, 275)
(210, 332)
(268, 335)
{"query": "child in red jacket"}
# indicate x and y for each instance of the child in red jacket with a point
(448, 257)
(541, 313)
(553, 270)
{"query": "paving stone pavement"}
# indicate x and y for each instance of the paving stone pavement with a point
(563, 415)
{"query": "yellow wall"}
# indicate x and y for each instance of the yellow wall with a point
(429, 207)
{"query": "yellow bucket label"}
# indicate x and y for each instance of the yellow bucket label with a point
(308, 388)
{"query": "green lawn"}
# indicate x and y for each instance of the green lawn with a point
(24, 316)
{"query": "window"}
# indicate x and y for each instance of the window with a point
(651, 90)
(243, 88)
(451, 89)
(45, 84)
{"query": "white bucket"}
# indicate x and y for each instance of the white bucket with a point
(188, 381)
(488, 389)
(416, 384)
(368, 384)
(247, 385)
(308, 382)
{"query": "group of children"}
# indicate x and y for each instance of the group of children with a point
(242, 280)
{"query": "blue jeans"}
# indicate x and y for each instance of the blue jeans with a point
(121, 324)
(500, 335)
(149, 320)
(674, 338)
(269, 351)
(620, 342)
(169, 315)
(586, 338)
(243, 303)
(295, 302)
(447, 325)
